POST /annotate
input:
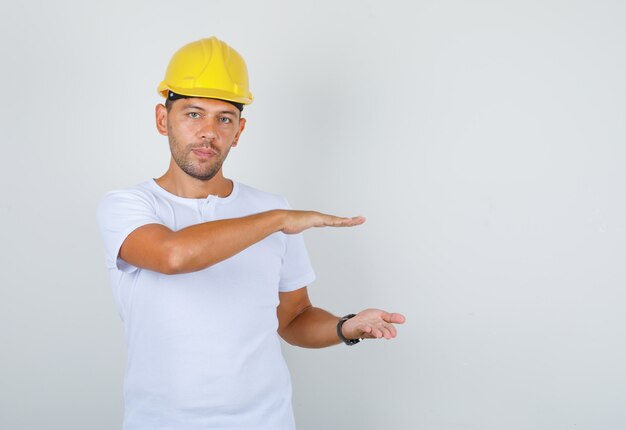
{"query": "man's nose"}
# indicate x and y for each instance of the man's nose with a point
(207, 130)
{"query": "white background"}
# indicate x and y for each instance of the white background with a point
(484, 141)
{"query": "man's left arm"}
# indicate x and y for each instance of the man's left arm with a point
(301, 324)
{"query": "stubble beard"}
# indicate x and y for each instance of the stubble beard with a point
(203, 171)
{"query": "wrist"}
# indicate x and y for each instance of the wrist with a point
(348, 340)
(278, 219)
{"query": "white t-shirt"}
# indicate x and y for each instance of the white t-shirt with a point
(203, 350)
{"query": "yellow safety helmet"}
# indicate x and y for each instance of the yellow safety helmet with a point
(208, 68)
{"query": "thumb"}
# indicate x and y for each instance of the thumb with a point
(394, 318)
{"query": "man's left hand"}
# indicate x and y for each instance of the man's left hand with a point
(372, 324)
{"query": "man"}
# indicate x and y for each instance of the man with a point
(207, 272)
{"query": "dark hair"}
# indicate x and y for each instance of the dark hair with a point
(172, 97)
(168, 104)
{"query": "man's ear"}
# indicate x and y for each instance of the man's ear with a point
(242, 126)
(160, 113)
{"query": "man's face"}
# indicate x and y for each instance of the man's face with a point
(201, 133)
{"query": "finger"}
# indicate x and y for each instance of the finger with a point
(377, 333)
(386, 332)
(351, 222)
(333, 221)
(357, 220)
(393, 318)
(392, 331)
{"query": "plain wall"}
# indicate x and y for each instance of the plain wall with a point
(483, 140)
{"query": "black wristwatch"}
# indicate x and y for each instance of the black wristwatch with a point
(348, 342)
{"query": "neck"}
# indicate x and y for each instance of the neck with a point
(181, 184)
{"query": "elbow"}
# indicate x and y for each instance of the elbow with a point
(179, 259)
(287, 337)
(174, 261)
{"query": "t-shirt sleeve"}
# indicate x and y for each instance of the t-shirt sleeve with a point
(296, 271)
(119, 214)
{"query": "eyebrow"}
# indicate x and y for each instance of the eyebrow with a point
(230, 112)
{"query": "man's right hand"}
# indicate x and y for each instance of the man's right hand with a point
(297, 221)
(156, 247)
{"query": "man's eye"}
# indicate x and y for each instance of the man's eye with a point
(225, 120)
(193, 115)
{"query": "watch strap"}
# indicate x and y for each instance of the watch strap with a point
(342, 320)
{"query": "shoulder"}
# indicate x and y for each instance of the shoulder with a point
(137, 196)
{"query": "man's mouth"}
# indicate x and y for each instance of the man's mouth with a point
(204, 152)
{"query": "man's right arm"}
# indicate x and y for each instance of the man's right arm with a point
(156, 247)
